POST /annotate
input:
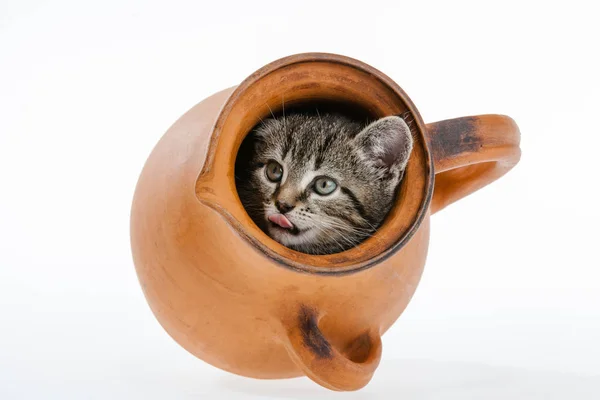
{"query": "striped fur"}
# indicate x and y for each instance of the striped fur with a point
(366, 162)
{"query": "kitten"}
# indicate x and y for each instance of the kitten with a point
(322, 184)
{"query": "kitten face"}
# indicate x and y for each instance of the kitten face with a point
(322, 184)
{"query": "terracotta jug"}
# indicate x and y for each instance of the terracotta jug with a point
(244, 303)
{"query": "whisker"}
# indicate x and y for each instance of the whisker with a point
(283, 110)
(270, 110)
(342, 248)
(340, 231)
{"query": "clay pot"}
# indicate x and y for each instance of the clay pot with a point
(242, 302)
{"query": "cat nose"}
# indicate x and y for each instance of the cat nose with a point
(283, 207)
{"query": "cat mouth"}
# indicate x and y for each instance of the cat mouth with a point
(281, 223)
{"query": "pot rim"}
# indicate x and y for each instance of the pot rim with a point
(223, 150)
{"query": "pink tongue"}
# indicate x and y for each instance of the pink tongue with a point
(281, 220)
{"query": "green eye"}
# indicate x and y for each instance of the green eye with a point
(325, 186)
(274, 171)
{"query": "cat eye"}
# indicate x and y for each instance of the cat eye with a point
(274, 171)
(324, 186)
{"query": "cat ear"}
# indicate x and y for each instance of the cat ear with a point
(387, 142)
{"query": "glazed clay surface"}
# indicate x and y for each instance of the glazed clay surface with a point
(238, 300)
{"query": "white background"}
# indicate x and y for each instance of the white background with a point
(509, 304)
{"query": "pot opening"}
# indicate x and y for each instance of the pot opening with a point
(302, 84)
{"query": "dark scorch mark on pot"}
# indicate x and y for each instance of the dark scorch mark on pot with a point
(455, 136)
(312, 336)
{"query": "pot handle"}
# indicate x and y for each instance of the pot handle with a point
(469, 153)
(351, 369)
